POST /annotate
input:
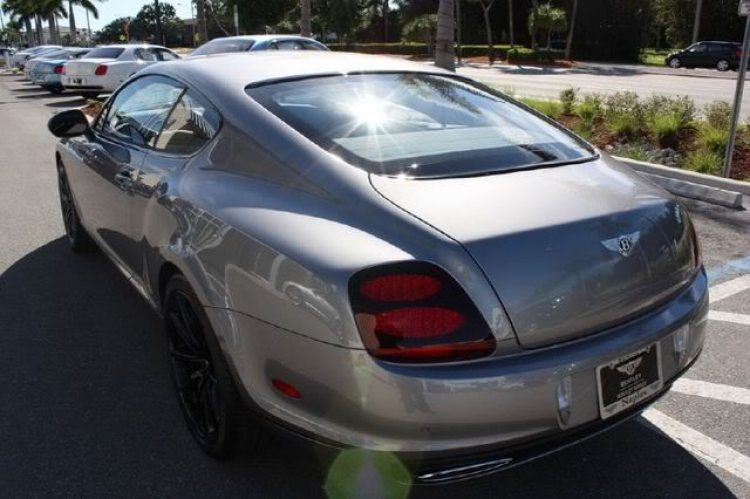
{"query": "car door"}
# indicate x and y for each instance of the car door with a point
(121, 139)
(192, 123)
(697, 55)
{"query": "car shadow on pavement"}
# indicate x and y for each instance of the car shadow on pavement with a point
(88, 409)
(75, 101)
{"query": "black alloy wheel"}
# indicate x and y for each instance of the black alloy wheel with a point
(78, 239)
(209, 399)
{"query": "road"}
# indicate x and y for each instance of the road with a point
(703, 86)
(87, 407)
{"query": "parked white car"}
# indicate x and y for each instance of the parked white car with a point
(103, 69)
(19, 58)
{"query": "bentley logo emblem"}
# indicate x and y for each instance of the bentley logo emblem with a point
(630, 367)
(624, 244)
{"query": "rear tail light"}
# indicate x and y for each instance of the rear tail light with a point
(59, 70)
(414, 312)
(64, 70)
(738, 52)
(100, 70)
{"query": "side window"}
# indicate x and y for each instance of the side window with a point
(193, 123)
(307, 45)
(287, 45)
(701, 47)
(138, 111)
(165, 55)
(147, 55)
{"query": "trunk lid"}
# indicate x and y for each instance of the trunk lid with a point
(552, 242)
(84, 67)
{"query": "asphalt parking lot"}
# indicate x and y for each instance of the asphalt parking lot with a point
(87, 407)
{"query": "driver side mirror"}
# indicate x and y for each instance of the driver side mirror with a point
(71, 123)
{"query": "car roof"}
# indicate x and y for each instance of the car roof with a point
(262, 38)
(240, 69)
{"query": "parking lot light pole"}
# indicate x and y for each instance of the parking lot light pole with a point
(741, 73)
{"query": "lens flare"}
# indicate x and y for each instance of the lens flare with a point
(362, 473)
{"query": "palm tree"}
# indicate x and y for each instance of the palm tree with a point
(486, 6)
(51, 10)
(21, 11)
(305, 27)
(444, 53)
(86, 5)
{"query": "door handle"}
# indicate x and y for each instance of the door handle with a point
(124, 178)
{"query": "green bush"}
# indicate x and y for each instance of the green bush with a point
(585, 130)
(590, 109)
(666, 128)
(718, 114)
(703, 162)
(625, 126)
(636, 152)
(521, 54)
(682, 108)
(624, 114)
(551, 109)
(713, 139)
(568, 99)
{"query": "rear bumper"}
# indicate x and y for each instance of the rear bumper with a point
(439, 417)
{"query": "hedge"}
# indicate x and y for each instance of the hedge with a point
(420, 49)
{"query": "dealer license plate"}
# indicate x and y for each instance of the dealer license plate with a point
(629, 380)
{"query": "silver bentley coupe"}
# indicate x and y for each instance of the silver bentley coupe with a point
(381, 256)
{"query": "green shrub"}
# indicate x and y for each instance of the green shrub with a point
(590, 108)
(703, 162)
(666, 128)
(568, 99)
(636, 152)
(624, 125)
(713, 139)
(624, 114)
(551, 109)
(521, 54)
(718, 114)
(682, 108)
(585, 130)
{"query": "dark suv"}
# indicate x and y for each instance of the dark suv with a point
(720, 55)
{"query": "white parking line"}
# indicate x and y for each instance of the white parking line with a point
(729, 288)
(712, 391)
(716, 315)
(702, 446)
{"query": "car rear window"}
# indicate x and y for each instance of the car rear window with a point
(418, 125)
(223, 47)
(105, 53)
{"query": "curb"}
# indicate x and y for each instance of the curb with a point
(707, 188)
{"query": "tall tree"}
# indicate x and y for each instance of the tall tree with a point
(87, 5)
(510, 24)
(697, 22)
(486, 7)
(569, 41)
(21, 11)
(305, 23)
(548, 18)
(444, 52)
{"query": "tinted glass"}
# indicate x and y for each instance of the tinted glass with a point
(308, 45)
(193, 122)
(223, 47)
(418, 125)
(286, 45)
(138, 111)
(145, 55)
(165, 55)
(105, 53)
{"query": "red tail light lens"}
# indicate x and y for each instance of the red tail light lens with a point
(100, 70)
(59, 70)
(416, 312)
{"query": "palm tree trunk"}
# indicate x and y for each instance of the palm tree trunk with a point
(445, 57)
(200, 12)
(569, 41)
(29, 32)
(39, 30)
(488, 27)
(305, 27)
(534, 31)
(510, 23)
(72, 18)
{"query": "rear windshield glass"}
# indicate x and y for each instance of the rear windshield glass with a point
(418, 125)
(105, 53)
(224, 47)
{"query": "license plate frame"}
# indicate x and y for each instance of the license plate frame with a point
(625, 382)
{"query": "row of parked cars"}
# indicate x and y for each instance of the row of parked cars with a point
(93, 71)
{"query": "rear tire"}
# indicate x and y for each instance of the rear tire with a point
(78, 239)
(210, 401)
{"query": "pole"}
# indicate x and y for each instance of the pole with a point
(88, 27)
(236, 19)
(195, 21)
(697, 23)
(459, 46)
(741, 73)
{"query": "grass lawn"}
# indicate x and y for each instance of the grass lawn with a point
(653, 57)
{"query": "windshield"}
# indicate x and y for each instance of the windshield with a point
(418, 125)
(105, 53)
(223, 47)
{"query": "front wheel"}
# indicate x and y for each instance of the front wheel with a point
(674, 62)
(78, 239)
(723, 65)
(208, 396)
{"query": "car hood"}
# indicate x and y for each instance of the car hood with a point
(549, 241)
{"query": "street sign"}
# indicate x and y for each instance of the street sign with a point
(744, 8)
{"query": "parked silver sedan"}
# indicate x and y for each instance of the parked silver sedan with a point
(377, 254)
